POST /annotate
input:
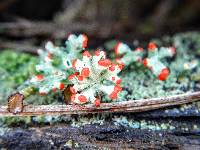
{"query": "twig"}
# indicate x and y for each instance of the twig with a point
(126, 106)
(28, 47)
(29, 29)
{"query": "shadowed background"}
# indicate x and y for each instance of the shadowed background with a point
(32, 21)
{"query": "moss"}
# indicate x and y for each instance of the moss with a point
(14, 121)
(19, 66)
(15, 68)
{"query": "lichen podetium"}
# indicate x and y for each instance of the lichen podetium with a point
(93, 78)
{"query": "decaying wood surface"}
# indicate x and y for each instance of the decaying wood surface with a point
(126, 106)
(94, 137)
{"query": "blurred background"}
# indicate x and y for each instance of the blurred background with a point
(25, 23)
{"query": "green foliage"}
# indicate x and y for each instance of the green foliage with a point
(18, 66)
(15, 68)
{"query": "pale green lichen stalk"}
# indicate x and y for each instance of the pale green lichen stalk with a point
(56, 64)
(94, 76)
(90, 78)
(153, 62)
(129, 56)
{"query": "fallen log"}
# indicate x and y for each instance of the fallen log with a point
(94, 137)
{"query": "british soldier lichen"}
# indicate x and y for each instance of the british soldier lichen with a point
(138, 83)
(153, 61)
(125, 56)
(90, 77)
(94, 75)
(56, 64)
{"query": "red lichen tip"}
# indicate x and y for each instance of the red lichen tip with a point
(82, 99)
(164, 74)
(61, 86)
(173, 50)
(74, 63)
(72, 89)
(76, 73)
(71, 76)
(121, 66)
(85, 41)
(112, 67)
(145, 62)
(104, 62)
(80, 78)
(140, 49)
(97, 102)
(97, 52)
(39, 77)
(113, 95)
(113, 78)
(118, 81)
(85, 72)
(117, 48)
(117, 88)
(152, 46)
(87, 54)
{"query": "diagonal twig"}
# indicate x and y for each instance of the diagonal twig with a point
(126, 106)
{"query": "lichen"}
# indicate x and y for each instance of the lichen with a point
(97, 75)
(138, 83)
(56, 64)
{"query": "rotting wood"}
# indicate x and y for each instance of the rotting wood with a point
(94, 137)
(126, 106)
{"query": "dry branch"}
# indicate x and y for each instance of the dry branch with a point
(19, 46)
(126, 106)
(29, 29)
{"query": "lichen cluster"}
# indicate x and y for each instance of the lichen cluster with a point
(94, 75)
(137, 81)
(153, 61)
(184, 71)
(89, 78)
(56, 64)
